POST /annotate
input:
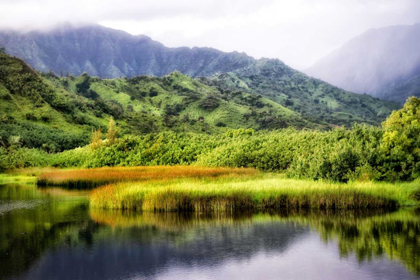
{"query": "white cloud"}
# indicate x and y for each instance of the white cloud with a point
(296, 31)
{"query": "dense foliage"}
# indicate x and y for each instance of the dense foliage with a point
(391, 153)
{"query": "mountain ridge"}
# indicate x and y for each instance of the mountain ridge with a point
(110, 53)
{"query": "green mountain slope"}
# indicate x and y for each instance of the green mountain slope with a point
(58, 113)
(40, 114)
(315, 100)
(180, 103)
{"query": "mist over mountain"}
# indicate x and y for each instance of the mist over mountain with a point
(384, 63)
(109, 53)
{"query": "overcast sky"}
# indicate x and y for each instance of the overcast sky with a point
(299, 32)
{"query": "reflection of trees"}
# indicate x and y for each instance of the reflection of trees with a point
(12, 192)
(131, 242)
(367, 234)
(26, 233)
(396, 235)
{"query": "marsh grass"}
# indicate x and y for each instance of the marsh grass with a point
(92, 178)
(260, 192)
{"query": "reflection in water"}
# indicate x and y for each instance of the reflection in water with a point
(59, 237)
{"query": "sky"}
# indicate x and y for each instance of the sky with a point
(298, 32)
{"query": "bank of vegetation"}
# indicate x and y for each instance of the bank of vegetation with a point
(390, 153)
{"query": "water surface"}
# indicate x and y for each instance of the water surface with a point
(52, 234)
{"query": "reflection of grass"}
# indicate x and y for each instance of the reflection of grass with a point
(181, 221)
(168, 221)
(91, 178)
(60, 192)
(265, 191)
(19, 192)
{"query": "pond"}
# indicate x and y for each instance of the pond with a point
(51, 233)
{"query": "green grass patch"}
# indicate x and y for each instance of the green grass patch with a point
(13, 178)
(259, 192)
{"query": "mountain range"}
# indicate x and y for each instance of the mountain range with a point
(109, 53)
(384, 63)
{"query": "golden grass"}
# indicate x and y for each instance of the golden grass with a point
(91, 178)
(31, 171)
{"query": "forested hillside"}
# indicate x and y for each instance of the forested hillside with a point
(58, 113)
(314, 99)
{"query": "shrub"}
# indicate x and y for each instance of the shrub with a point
(210, 103)
(31, 117)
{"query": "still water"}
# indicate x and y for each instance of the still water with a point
(52, 234)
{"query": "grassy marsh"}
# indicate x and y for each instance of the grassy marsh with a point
(261, 191)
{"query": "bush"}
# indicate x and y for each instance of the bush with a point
(22, 157)
(153, 92)
(36, 135)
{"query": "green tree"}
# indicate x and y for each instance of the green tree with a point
(96, 140)
(113, 131)
(401, 142)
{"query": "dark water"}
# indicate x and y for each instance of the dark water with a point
(52, 234)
